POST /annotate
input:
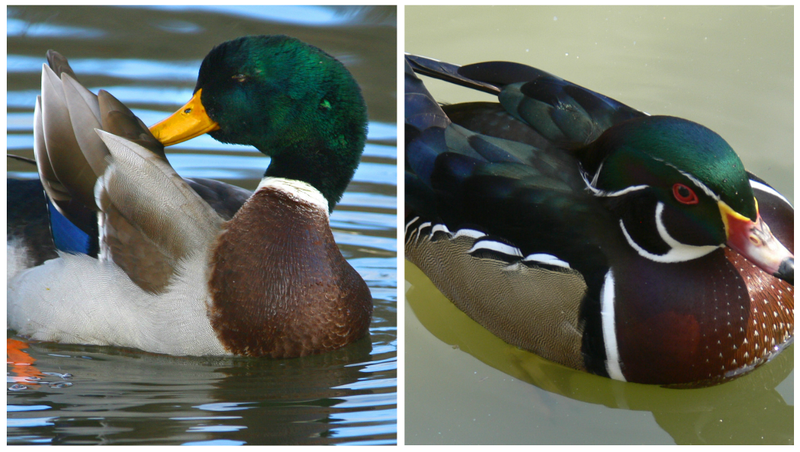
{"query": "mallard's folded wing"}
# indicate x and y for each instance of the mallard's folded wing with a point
(150, 217)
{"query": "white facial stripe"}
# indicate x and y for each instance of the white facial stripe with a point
(597, 174)
(613, 364)
(607, 194)
(625, 191)
(697, 182)
(597, 192)
(678, 252)
(591, 185)
(767, 189)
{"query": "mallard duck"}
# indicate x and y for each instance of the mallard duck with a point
(630, 246)
(197, 267)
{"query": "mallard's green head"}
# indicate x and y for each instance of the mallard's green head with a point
(291, 100)
(680, 192)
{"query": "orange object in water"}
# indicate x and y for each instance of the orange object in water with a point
(22, 368)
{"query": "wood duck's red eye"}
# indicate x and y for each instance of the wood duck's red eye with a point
(684, 194)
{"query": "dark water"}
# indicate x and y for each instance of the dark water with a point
(148, 58)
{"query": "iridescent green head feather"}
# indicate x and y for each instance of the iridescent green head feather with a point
(293, 102)
(653, 150)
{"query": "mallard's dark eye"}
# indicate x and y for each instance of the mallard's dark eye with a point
(684, 194)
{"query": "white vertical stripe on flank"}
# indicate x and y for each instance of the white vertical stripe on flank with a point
(609, 330)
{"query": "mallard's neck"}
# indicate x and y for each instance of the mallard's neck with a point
(326, 166)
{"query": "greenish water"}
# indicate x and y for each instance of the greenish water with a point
(729, 68)
(148, 57)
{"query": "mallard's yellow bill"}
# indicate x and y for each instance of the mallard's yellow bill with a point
(188, 122)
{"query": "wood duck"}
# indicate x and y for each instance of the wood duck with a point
(630, 246)
(148, 260)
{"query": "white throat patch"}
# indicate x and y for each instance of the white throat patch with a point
(679, 252)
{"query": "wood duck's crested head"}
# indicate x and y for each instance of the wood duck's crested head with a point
(655, 150)
(680, 192)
